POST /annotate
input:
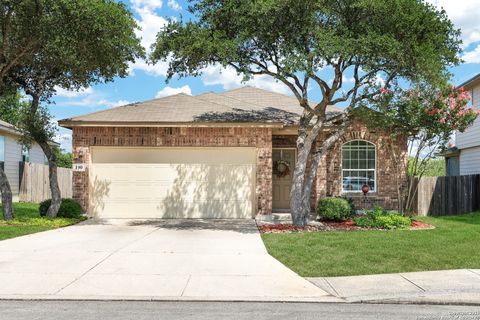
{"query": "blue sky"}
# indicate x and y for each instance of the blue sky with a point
(147, 82)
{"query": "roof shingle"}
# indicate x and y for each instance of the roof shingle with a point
(246, 104)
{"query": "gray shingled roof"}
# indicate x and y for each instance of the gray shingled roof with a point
(246, 104)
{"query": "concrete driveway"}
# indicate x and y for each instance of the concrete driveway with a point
(150, 260)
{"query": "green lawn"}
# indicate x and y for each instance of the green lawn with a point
(455, 243)
(27, 220)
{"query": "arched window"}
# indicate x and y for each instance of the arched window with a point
(358, 166)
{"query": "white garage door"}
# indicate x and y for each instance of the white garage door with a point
(172, 182)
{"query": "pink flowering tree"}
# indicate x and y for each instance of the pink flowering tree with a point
(427, 117)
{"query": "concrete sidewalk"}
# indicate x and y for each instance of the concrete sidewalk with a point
(434, 287)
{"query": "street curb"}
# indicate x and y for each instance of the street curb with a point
(327, 299)
(418, 302)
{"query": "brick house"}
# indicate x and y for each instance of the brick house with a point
(218, 155)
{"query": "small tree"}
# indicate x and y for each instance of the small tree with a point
(64, 159)
(62, 43)
(10, 106)
(427, 117)
(292, 41)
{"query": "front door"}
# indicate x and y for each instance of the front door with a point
(283, 166)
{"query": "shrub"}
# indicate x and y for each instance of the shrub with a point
(380, 218)
(68, 209)
(350, 202)
(334, 208)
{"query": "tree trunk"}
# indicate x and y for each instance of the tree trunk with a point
(6, 196)
(305, 140)
(302, 179)
(296, 193)
(312, 171)
(53, 179)
(37, 132)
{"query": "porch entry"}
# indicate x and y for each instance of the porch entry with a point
(283, 166)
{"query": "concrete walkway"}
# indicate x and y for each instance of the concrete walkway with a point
(438, 287)
(150, 260)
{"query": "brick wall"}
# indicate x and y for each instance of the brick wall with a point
(390, 171)
(260, 138)
(390, 174)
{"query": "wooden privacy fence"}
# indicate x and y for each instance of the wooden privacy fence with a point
(35, 185)
(447, 195)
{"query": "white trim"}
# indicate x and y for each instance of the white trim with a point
(2, 137)
(374, 170)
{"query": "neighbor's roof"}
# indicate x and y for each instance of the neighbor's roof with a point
(470, 82)
(243, 105)
(10, 128)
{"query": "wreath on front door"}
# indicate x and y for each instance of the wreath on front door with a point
(281, 168)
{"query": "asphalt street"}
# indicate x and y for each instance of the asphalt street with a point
(137, 310)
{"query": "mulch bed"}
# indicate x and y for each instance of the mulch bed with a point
(420, 225)
(347, 225)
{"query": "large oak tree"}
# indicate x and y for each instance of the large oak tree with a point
(70, 44)
(293, 40)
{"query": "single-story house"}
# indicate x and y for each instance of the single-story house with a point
(464, 158)
(217, 155)
(13, 154)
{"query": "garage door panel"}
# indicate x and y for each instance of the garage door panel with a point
(151, 208)
(207, 189)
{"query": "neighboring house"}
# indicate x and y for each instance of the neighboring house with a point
(465, 157)
(217, 155)
(12, 154)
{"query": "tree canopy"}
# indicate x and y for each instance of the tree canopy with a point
(427, 117)
(11, 106)
(66, 43)
(284, 38)
(69, 44)
(292, 41)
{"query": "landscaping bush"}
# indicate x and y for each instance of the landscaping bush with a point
(334, 208)
(380, 218)
(68, 209)
(351, 204)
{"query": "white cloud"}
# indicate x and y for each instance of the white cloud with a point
(168, 91)
(64, 138)
(229, 79)
(472, 56)
(93, 101)
(379, 80)
(158, 70)
(60, 92)
(464, 14)
(150, 24)
(172, 4)
(88, 98)
(113, 104)
(149, 4)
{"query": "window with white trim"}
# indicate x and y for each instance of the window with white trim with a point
(358, 166)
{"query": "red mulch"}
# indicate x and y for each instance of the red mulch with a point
(342, 225)
(331, 226)
(420, 225)
(285, 228)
